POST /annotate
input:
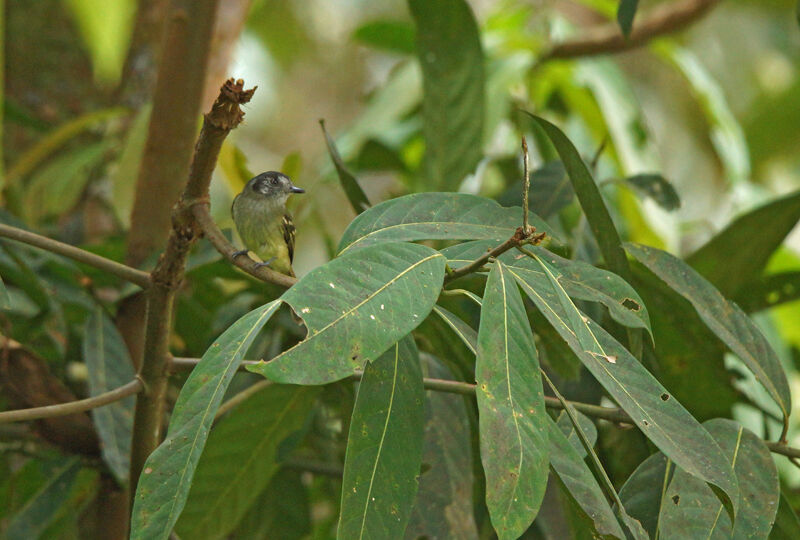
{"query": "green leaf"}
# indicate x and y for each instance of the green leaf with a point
(724, 318)
(568, 430)
(657, 414)
(168, 472)
(392, 36)
(657, 188)
(435, 216)
(384, 448)
(465, 332)
(769, 291)
(580, 280)
(591, 200)
(787, 526)
(513, 421)
(358, 199)
(729, 266)
(691, 510)
(444, 506)
(50, 501)
(580, 482)
(453, 103)
(644, 490)
(240, 459)
(5, 300)
(625, 14)
(355, 307)
(110, 366)
(282, 510)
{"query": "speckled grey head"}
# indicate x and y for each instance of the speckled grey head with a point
(272, 184)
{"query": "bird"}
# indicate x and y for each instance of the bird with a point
(263, 223)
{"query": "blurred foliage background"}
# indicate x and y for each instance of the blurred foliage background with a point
(712, 111)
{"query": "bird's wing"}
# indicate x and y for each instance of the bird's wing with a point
(233, 208)
(288, 234)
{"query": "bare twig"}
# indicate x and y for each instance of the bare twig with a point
(665, 19)
(72, 407)
(526, 186)
(227, 250)
(120, 270)
(611, 414)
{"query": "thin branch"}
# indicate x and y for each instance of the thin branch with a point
(608, 39)
(526, 186)
(218, 240)
(120, 270)
(72, 407)
(518, 239)
(611, 414)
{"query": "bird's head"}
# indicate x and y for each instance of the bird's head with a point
(271, 185)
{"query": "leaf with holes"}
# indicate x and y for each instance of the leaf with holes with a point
(355, 307)
(384, 446)
(580, 280)
(110, 366)
(512, 418)
(168, 472)
(453, 102)
(435, 216)
(240, 458)
(658, 414)
(690, 509)
(722, 317)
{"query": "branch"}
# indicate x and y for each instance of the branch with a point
(227, 250)
(519, 238)
(72, 407)
(612, 414)
(122, 271)
(608, 39)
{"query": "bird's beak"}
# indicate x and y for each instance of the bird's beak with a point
(295, 189)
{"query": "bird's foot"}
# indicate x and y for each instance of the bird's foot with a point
(265, 263)
(239, 253)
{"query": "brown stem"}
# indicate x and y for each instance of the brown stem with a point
(167, 277)
(608, 39)
(72, 407)
(519, 238)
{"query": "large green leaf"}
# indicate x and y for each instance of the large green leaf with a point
(724, 262)
(690, 509)
(384, 448)
(580, 483)
(444, 507)
(110, 366)
(449, 50)
(580, 280)
(435, 216)
(644, 490)
(168, 472)
(355, 307)
(240, 458)
(658, 414)
(724, 318)
(358, 199)
(513, 421)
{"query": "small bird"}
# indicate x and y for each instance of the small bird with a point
(264, 225)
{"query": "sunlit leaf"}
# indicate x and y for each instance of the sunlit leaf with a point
(625, 14)
(657, 413)
(356, 196)
(110, 367)
(729, 267)
(580, 280)
(384, 446)
(657, 188)
(449, 50)
(690, 509)
(444, 507)
(392, 36)
(167, 476)
(355, 307)
(435, 216)
(724, 318)
(513, 421)
(240, 459)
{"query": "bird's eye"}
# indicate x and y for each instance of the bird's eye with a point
(274, 181)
